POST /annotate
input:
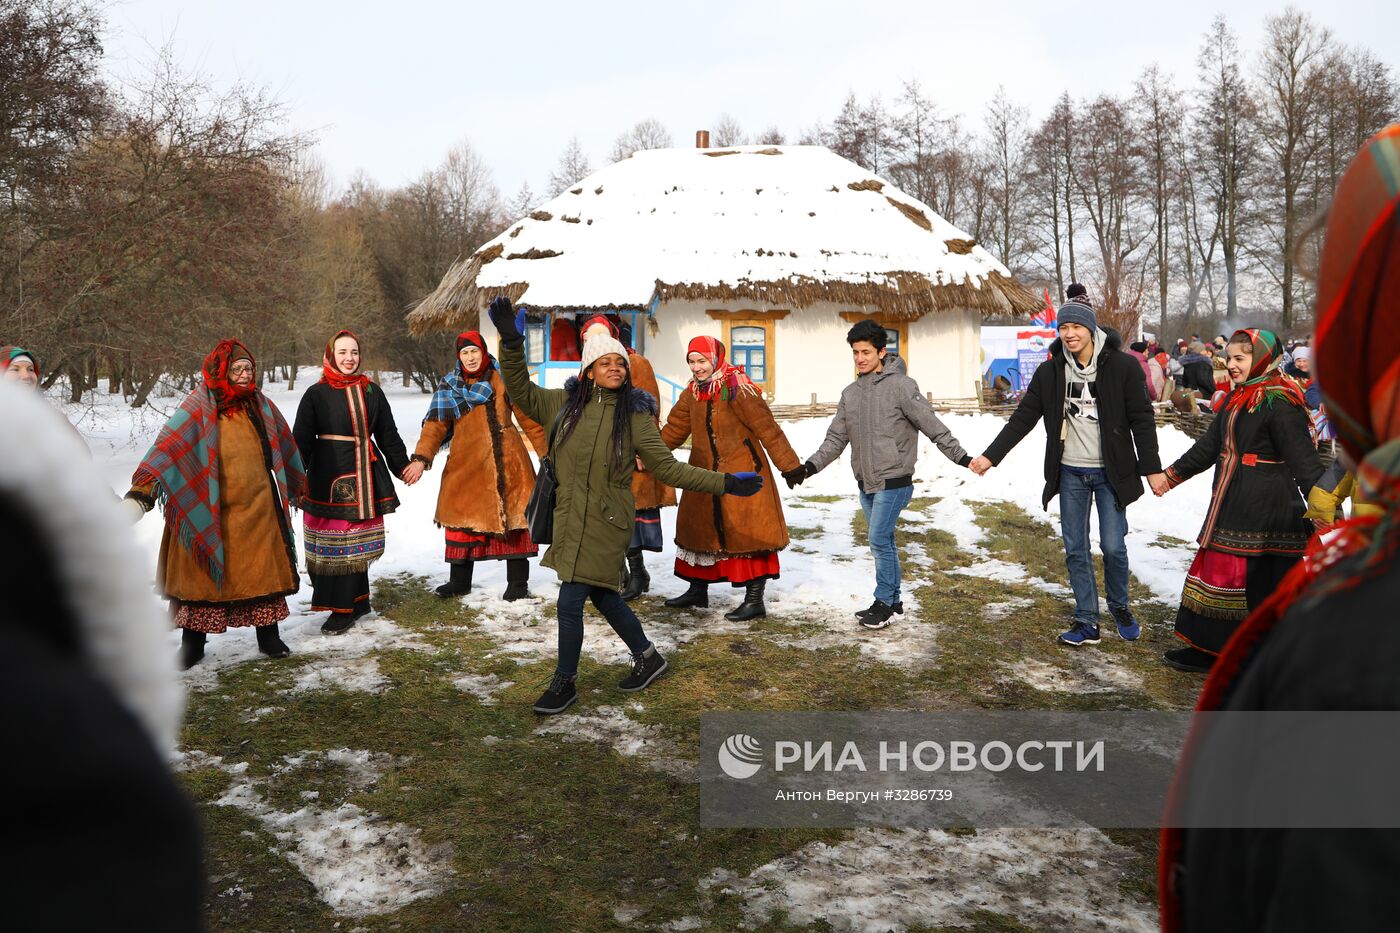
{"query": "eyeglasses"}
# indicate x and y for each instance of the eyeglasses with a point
(239, 369)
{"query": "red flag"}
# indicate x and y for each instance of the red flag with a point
(1046, 318)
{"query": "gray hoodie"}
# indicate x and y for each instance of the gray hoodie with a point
(881, 415)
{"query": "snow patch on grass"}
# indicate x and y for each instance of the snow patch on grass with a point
(482, 686)
(359, 862)
(357, 675)
(611, 726)
(1088, 672)
(893, 879)
(302, 634)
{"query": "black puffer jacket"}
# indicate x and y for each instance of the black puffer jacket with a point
(1128, 433)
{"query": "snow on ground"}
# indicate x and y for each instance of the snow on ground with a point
(611, 726)
(823, 577)
(877, 879)
(891, 879)
(1087, 673)
(359, 862)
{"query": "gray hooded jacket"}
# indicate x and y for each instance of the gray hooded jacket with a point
(881, 415)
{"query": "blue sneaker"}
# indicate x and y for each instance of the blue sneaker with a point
(1128, 628)
(1081, 633)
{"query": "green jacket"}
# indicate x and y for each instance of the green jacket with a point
(594, 511)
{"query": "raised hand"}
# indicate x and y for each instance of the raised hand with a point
(980, 465)
(502, 315)
(742, 484)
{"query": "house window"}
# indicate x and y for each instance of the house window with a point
(892, 340)
(749, 349)
(535, 343)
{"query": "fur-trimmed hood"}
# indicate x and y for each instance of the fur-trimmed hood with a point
(104, 596)
(639, 401)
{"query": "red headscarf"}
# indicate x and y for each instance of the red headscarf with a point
(474, 339)
(216, 365)
(725, 380)
(330, 373)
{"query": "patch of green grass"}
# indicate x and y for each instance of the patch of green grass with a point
(824, 499)
(801, 532)
(552, 834)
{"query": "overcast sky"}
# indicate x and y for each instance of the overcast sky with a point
(388, 88)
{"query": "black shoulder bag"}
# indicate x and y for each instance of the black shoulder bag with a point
(539, 511)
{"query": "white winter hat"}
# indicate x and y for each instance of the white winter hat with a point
(1302, 353)
(600, 345)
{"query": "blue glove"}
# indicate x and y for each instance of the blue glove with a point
(742, 484)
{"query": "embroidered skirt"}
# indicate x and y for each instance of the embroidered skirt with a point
(463, 546)
(336, 547)
(699, 567)
(1221, 591)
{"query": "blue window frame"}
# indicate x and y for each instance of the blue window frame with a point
(750, 350)
(892, 341)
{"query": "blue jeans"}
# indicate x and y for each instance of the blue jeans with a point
(613, 607)
(1080, 486)
(881, 512)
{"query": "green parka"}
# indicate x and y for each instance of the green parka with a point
(594, 511)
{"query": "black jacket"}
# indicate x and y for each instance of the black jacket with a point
(1265, 465)
(1125, 420)
(1306, 879)
(349, 479)
(1198, 374)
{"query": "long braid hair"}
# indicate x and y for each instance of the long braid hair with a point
(622, 416)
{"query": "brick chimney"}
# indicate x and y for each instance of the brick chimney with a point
(702, 139)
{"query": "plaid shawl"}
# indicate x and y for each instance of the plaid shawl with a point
(183, 466)
(455, 397)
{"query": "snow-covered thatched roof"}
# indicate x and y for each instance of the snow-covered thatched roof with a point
(779, 226)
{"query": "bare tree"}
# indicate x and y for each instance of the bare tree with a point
(1292, 70)
(1159, 116)
(646, 134)
(572, 167)
(1226, 146)
(1006, 130)
(771, 137)
(727, 132)
(1109, 176)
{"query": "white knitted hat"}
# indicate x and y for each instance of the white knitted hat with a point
(600, 345)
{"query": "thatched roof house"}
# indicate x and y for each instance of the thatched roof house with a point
(710, 240)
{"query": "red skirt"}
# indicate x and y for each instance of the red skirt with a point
(469, 545)
(735, 570)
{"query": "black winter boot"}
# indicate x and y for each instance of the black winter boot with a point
(697, 597)
(270, 641)
(517, 579)
(638, 580)
(752, 606)
(459, 580)
(191, 648)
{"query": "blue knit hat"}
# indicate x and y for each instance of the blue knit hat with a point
(1078, 309)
